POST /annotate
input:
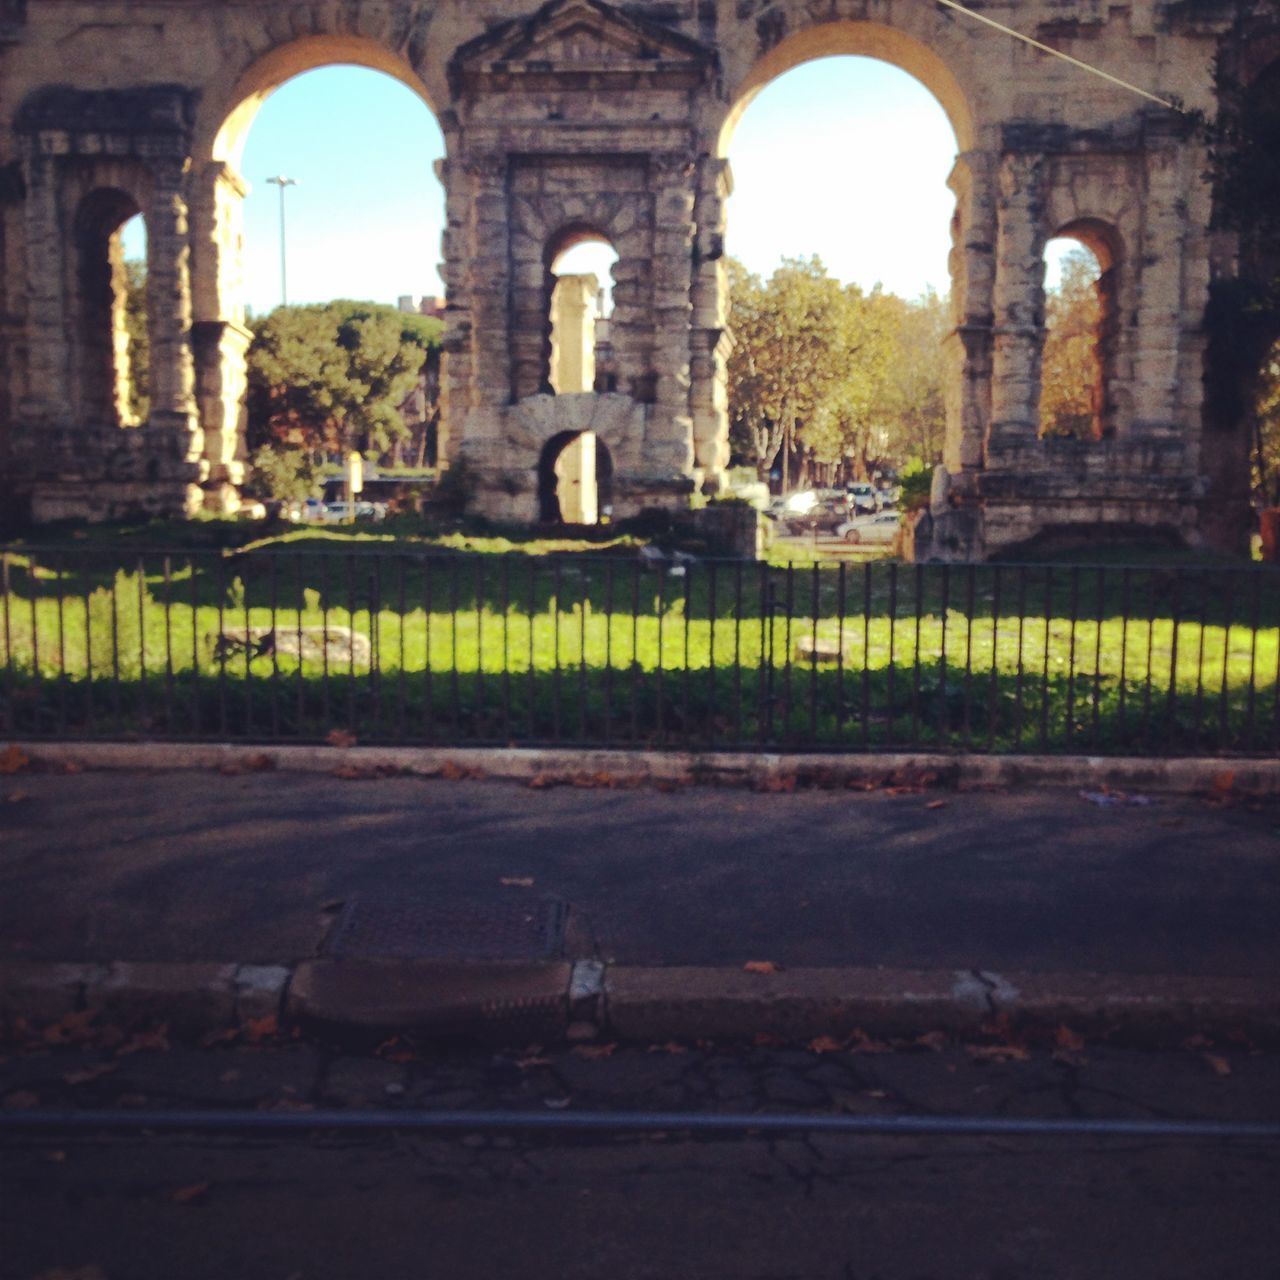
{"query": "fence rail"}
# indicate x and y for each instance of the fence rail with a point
(397, 645)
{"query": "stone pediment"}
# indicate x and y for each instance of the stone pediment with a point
(579, 44)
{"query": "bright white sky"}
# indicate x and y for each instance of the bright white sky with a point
(846, 158)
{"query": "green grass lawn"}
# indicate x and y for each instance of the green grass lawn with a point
(471, 638)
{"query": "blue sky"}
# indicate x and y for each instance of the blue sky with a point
(846, 158)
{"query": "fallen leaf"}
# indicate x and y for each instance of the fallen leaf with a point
(762, 1040)
(342, 738)
(185, 1195)
(451, 771)
(397, 1050)
(518, 882)
(12, 760)
(935, 1041)
(21, 1100)
(592, 1052)
(533, 1060)
(256, 1030)
(71, 1028)
(1221, 1067)
(824, 1044)
(90, 1073)
(156, 1039)
(541, 781)
(936, 804)
(56, 1157)
(260, 763)
(672, 1046)
(860, 1042)
(351, 773)
(16, 797)
(997, 1052)
(875, 1093)
(761, 966)
(1224, 783)
(1068, 1040)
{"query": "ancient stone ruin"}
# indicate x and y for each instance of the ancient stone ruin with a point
(579, 119)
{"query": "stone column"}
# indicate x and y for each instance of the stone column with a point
(967, 349)
(456, 363)
(1019, 304)
(710, 340)
(573, 334)
(173, 417)
(1159, 309)
(669, 445)
(219, 337)
(45, 403)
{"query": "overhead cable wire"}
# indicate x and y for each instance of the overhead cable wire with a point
(1057, 53)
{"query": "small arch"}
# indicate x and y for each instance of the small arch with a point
(110, 342)
(861, 39)
(1081, 331)
(575, 479)
(272, 69)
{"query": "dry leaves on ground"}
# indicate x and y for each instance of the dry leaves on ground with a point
(12, 760)
(762, 966)
(517, 882)
(342, 738)
(185, 1195)
(1221, 1067)
(824, 1044)
(90, 1073)
(593, 1052)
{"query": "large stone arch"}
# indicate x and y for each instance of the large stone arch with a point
(589, 112)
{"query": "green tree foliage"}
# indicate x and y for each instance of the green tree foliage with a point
(327, 378)
(846, 373)
(1069, 372)
(135, 324)
(1266, 445)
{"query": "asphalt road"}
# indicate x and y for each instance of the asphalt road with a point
(200, 866)
(487, 1204)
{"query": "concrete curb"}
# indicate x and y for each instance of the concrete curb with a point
(587, 999)
(551, 766)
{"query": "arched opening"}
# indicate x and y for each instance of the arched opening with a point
(1081, 329)
(326, 224)
(111, 313)
(837, 371)
(575, 480)
(579, 349)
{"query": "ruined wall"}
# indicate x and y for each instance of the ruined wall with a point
(577, 118)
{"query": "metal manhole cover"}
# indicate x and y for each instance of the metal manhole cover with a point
(369, 928)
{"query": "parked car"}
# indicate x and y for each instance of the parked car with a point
(338, 512)
(863, 497)
(879, 529)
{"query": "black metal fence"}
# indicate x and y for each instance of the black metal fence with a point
(398, 645)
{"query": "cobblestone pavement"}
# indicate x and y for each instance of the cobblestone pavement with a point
(484, 1203)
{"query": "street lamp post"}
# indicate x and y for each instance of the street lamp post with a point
(281, 181)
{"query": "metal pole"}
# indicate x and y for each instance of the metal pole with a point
(281, 181)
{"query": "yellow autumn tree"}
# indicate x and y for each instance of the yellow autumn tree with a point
(1070, 379)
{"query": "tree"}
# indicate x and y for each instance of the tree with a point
(1070, 378)
(328, 378)
(806, 353)
(916, 406)
(135, 325)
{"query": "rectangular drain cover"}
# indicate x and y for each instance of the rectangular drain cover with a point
(496, 930)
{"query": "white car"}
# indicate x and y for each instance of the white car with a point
(881, 529)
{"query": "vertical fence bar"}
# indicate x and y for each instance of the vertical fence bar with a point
(1198, 702)
(1224, 697)
(10, 703)
(1073, 622)
(787, 651)
(531, 676)
(1100, 609)
(428, 688)
(196, 717)
(1171, 701)
(969, 601)
(556, 587)
(635, 650)
(375, 647)
(222, 646)
(864, 713)
(506, 647)
(840, 622)
(478, 703)
(300, 604)
(585, 603)
(712, 698)
(686, 722)
(1021, 668)
(1151, 641)
(660, 693)
(1048, 634)
(326, 695)
(815, 593)
(738, 622)
(248, 653)
(166, 570)
(352, 711)
(85, 590)
(766, 631)
(944, 608)
(1256, 626)
(1126, 606)
(993, 686)
(455, 676)
(401, 655)
(33, 588)
(274, 651)
(609, 569)
(63, 693)
(916, 675)
(117, 722)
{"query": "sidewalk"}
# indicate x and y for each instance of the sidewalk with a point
(205, 897)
